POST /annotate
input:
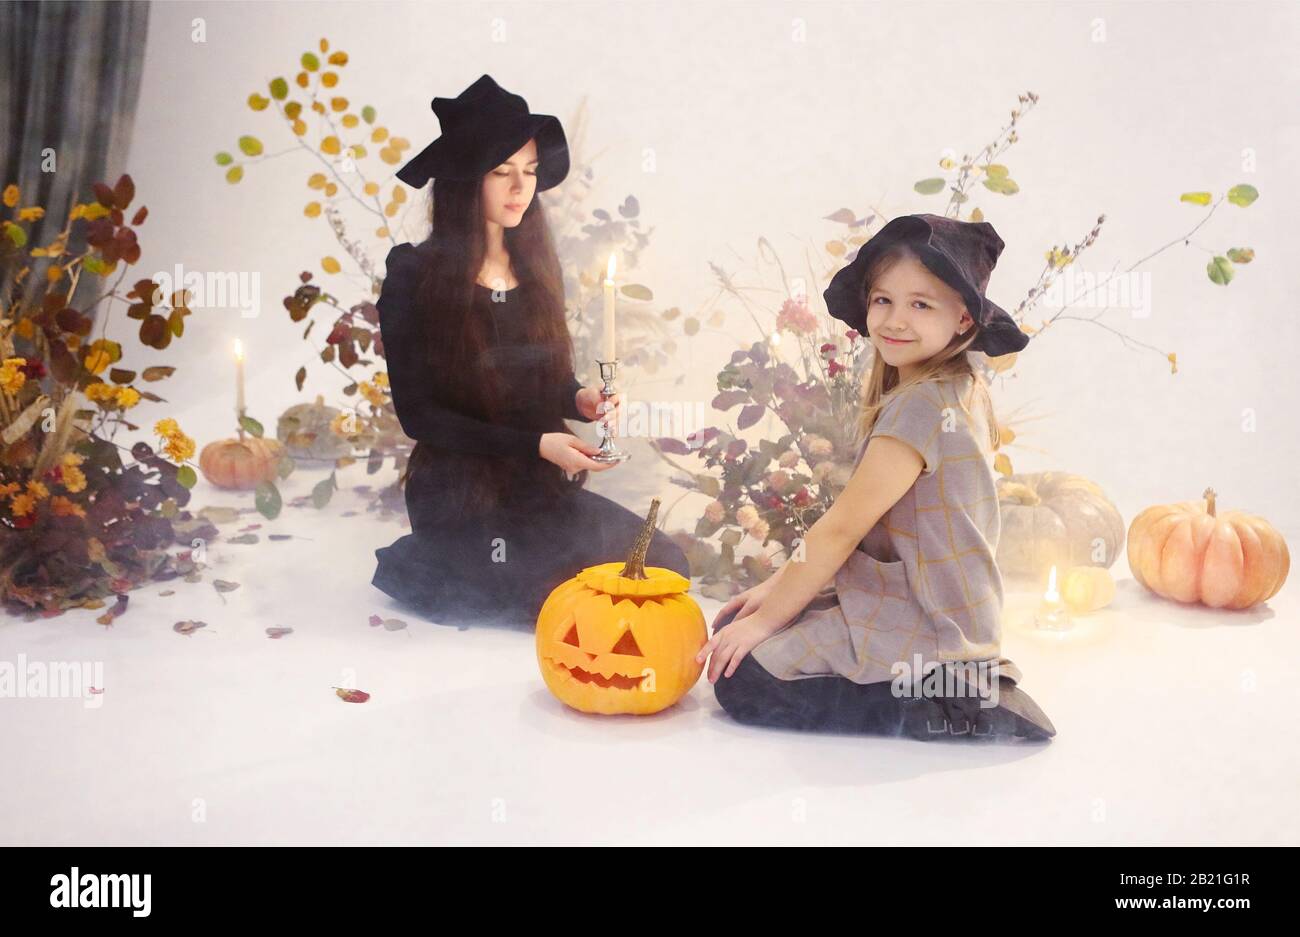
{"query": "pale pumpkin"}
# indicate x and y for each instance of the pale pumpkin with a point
(621, 637)
(1086, 589)
(241, 463)
(305, 429)
(1055, 519)
(1190, 552)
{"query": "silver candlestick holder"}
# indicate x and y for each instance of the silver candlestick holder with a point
(609, 452)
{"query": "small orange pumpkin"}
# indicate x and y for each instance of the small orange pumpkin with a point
(621, 637)
(1191, 553)
(240, 463)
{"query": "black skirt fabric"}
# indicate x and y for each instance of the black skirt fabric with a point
(837, 704)
(499, 565)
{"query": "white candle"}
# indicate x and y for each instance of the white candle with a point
(609, 312)
(239, 377)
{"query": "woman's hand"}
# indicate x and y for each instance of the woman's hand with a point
(748, 601)
(589, 401)
(570, 453)
(730, 645)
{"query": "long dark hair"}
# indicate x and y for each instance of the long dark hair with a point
(461, 373)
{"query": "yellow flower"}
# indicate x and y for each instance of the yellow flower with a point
(74, 479)
(381, 378)
(97, 360)
(37, 489)
(9, 489)
(73, 458)
(11, 195)
(372, 393)
(22, 505)
(166, 427)
(101, 392)
(179, 447)
(11, 379)
(63, 507)
(35, 213)
(127, 397)
(25, 328)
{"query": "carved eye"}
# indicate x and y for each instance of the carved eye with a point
(572, 637)
(627, 645)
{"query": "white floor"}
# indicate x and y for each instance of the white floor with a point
(1174, 726)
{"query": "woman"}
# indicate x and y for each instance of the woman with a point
(480, 365)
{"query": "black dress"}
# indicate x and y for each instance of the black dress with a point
(496, 564)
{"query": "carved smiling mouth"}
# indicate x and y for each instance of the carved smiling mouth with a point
(618, 681)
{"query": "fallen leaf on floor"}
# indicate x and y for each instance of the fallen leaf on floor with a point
(391, 624)
(243, 538)
(219, 515)
(222, 585)
(118, 608)
(278, 632)
(167, 592)
(249, 527)
(279, 536)
(351, 696)
(188, 627)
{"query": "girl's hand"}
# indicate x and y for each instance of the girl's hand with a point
(571, 453)
(589, 401)
(748, 601)
(730, 645)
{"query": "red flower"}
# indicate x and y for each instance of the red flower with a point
(853, 335)
(829, 349)
(802, 498)
(835, 368)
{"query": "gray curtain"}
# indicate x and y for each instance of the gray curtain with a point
(69, 81)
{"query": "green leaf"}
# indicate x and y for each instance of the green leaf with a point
(251, 425)
(1241, 255)
(1242, 195)
(267, 499)
(185, 476)
(224, 159)
(637, 291)
(929, 186)
(284, 468)
(323, 491)
(1001, 185)
(279, 89)
(250, 146)
(368, 114)
(1220, 271)
(15, 234)
(310, 62)
(234, 174)
(1196, 198)
(997, 170)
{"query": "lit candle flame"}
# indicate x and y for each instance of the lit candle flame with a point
(609, 271)
(239, 350)
(1051, 594)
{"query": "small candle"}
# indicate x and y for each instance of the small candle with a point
(1052, 614)
(239, 377)
(608, 336)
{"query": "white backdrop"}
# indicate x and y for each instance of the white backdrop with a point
(766, 117)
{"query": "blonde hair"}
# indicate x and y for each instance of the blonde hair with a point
(953, 363)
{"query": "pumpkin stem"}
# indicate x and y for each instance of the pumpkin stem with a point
(634, 568)
(1208, 495)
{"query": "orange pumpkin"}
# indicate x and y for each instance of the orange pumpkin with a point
(621, 637)
(240, 464)
(1191, 553)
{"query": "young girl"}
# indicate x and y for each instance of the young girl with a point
(480, 366)
(905, 637)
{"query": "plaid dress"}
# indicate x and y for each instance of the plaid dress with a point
(923, 581)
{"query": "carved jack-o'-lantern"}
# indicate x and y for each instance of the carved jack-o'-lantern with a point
(621, 637)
